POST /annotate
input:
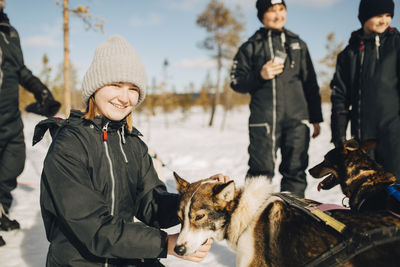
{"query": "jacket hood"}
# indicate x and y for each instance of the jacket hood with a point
(358, 36)
(101, 121)
(53, 124)
(262, 33)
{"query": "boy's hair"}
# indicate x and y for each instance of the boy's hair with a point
(372, 8)
(91, 111)
(263, 5)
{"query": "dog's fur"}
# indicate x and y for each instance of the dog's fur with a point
(361, 179)
(263, 230)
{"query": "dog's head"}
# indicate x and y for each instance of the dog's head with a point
(343, 165)
(204, 212)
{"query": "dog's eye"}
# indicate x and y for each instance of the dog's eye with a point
(199, 217)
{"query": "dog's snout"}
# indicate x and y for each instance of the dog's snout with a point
(180, 250)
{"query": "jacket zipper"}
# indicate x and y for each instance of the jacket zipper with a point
(105, 139)
(122, 141)
(377, 45)
(271, 49)
(362, 50)
(1, 57)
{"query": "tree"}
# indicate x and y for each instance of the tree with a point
(83, 13)
(223, 38)
(333, 49)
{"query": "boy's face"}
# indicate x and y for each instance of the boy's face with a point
(377, 24)
(115, 101)
(275, 17)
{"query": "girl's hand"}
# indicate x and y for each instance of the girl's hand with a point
(198, 256)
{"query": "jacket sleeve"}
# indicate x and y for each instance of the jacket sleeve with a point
(157, 207)
(244, 78)
(84, 214)
(31, 83)
(340, 101)
(310, 86)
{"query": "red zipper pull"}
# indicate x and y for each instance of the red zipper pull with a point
(105, 136)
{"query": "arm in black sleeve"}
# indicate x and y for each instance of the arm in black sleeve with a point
(85, 213)
(310, 86)
(157, 207)
(244, 78)
(340, 101)
(45, 103)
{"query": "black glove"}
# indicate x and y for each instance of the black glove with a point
(339, 122)
(45, 105)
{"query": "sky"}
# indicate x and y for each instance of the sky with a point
(166, 29)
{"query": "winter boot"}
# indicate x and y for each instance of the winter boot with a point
(6, 224)
(2, 242)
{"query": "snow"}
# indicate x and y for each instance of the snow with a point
(187, 146)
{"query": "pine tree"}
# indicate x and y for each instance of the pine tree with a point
(224, 30)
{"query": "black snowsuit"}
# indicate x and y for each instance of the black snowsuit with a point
(12, 73)
(366, 91)
(279, 107)
(96, 177)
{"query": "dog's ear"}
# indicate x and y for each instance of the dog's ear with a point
(227, 191)
(370, 144)
(181, 184)
(351, 145)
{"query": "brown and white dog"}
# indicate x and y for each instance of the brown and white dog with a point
(264, 230)
(361, 179)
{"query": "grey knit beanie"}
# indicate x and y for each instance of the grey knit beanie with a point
(115, 60)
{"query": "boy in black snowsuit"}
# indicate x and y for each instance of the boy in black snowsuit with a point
(366, 85)
(275, 67)
(12, 146)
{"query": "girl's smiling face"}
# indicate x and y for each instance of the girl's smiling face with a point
(115, 101)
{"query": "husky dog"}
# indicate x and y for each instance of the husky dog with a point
(266, 231)
(367, 185)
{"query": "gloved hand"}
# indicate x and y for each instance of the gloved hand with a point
(46, 105)
(339, 126)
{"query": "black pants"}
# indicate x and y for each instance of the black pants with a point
(12, 162)
(293, 138)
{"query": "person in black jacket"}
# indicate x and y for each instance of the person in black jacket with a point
(275, 67)
(366, 84)
(97, 175)
(13, 73)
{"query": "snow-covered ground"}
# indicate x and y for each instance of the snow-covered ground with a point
(188, 146)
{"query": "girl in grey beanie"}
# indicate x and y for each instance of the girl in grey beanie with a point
(98, 175)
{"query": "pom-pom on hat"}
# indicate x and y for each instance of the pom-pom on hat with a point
(115, 60)
(263, 5)
(371, 8)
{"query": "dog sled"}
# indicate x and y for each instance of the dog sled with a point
(354, 242)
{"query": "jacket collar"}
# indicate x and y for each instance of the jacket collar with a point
(262, 33)
(358, 36)
(100, 121)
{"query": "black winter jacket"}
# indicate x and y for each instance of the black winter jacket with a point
(12, 73)
(366, 85)
(96, 177)
(294, 94)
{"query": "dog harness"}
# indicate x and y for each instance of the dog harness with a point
(353, 242)
(393, 191)
(316, 211)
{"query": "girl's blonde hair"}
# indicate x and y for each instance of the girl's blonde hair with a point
(91, 111)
